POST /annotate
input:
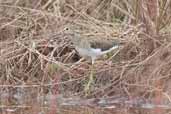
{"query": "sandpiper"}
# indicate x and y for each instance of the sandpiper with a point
(91, 47)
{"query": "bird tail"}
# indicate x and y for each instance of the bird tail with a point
(111, 49)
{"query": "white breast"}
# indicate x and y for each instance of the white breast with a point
(93, 53)
(90, 52)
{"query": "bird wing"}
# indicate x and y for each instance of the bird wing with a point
(103, 44)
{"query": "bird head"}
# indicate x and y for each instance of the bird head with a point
(68, 30)
(72, 33)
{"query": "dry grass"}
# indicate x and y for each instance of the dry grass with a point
(38, 64)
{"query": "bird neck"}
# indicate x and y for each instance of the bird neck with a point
(76, 38)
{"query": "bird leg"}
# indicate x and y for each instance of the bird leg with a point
(88, 86)
(93, 60)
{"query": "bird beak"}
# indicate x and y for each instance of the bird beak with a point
(122, 43)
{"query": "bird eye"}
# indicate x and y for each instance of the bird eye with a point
(66, 28)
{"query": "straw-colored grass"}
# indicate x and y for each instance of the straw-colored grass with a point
(39, 66)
